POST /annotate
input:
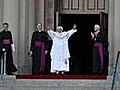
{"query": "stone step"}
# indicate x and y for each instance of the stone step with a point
(11, 83)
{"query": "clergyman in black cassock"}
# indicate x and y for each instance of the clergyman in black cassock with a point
(38, 50)
(99, 38)
(6, 43)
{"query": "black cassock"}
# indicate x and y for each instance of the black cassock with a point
(38, 46)
(99, 51)
(5, 42)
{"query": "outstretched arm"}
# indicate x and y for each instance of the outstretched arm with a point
(72, 31)
(51, 32)
(92, 35)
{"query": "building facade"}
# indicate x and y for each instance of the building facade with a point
(23, 15)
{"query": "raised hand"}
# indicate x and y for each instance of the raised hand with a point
(92, 35)
(50, 27)
(46, 51)
(74, 26)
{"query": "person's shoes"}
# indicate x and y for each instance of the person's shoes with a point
(57, 72)
(14, 73)
(62, 73)
(10, 73)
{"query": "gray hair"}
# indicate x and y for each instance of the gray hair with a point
(60, 27)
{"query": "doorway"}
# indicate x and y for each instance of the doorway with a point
(80, 45)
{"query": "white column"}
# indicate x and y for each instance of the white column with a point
(49, 12)
(31, 18)
(111, 35)
(40, 11)
(57, 18)
(23, 36)
(10, 15)
(31, 26)
(116, 28)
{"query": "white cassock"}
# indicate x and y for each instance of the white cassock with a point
(60, 53)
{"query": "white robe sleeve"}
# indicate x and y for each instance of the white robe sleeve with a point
(51, 33)
(70, 32)
(13, 47)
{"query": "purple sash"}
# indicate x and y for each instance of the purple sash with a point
(99, 46)
(6, 41)
(42, 50)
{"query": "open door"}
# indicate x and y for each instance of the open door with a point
(80, 46)
(104, 27)
(104, 21)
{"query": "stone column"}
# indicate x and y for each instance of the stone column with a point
(31, 26)
(31, 18)
(10, 15)
(39, 9)
(49, 13)
(23, 36)
(116, 40)
(111, 36)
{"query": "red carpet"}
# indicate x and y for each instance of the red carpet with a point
(61, 77)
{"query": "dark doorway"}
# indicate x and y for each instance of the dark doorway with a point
(80, 43)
